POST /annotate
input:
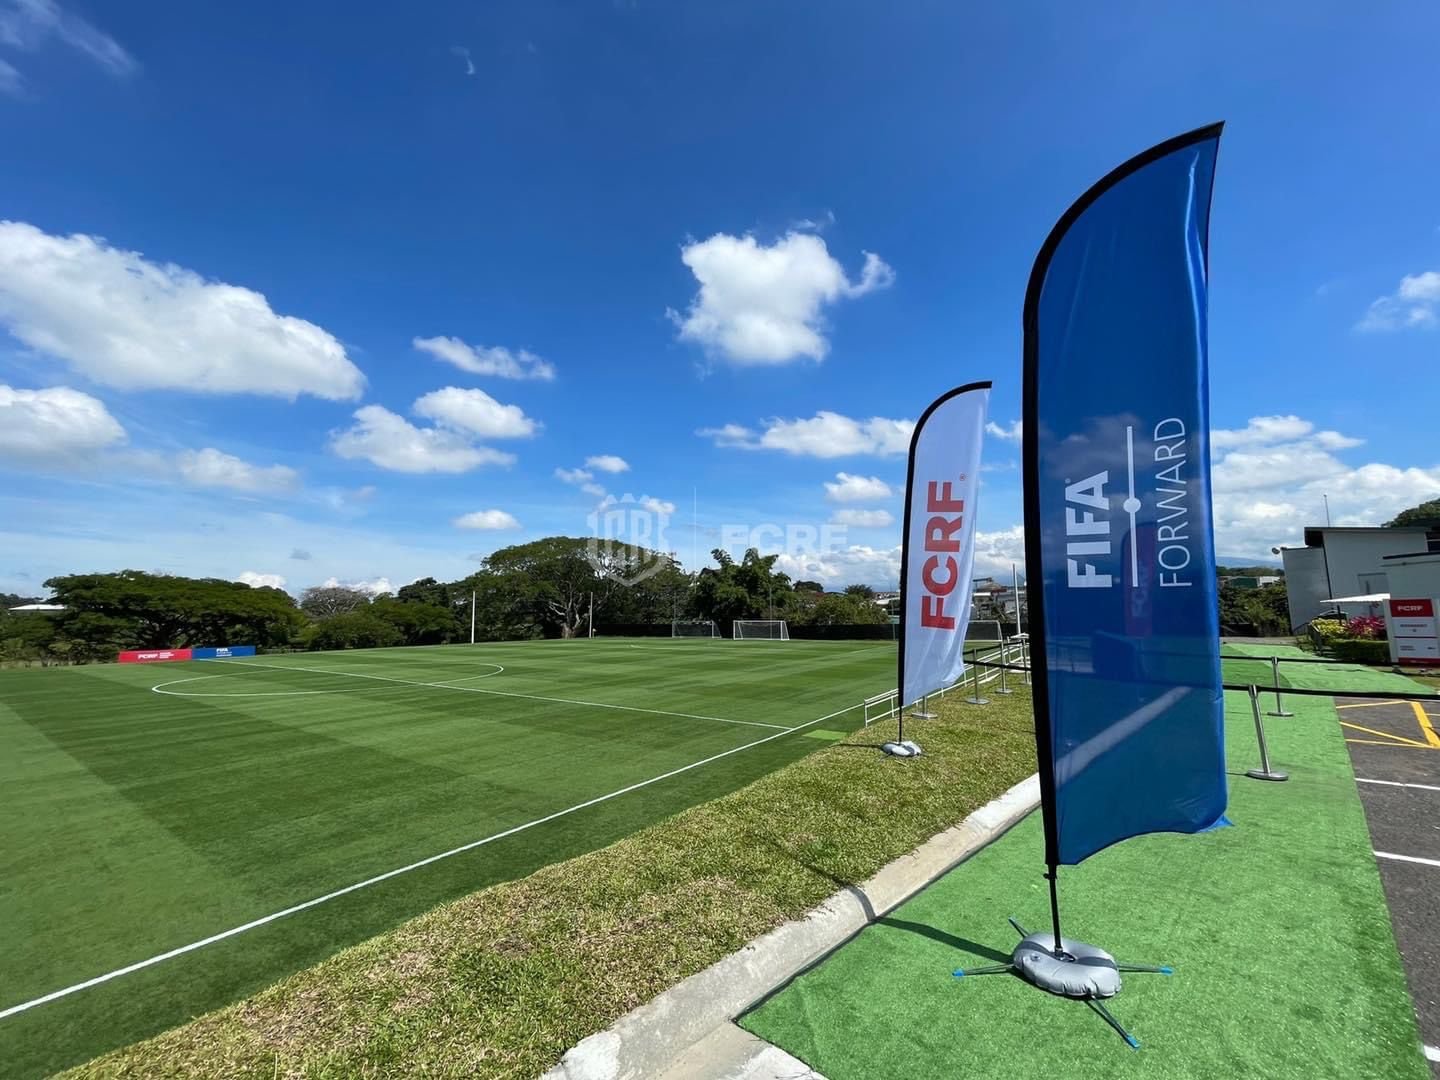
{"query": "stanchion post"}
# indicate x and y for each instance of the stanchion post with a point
(975, 698)
(924, 713)
(1004, 662)
(1280, 709)
(1264, 772)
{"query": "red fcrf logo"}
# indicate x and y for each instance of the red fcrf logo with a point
(940, 572)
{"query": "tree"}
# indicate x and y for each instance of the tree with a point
(1426, 514)
(1261, 612)
(844, 609)
(809, 586)
(416, 623)
(749, 589)
(327, 601)
(351, 630)
(429, 591)
(864, 592)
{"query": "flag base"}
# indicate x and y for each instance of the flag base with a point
(1266, 774)
(1078, 971)
(901, 749)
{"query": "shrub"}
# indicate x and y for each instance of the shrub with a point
(1328, 629)
(1366, 627)
(1361, 651)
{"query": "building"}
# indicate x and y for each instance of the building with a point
(1347, 561)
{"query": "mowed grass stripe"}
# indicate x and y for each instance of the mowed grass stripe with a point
(154, 821)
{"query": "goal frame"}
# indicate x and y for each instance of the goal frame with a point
(783, 633)
(675, 625)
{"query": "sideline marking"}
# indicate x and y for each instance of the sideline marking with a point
(253, 923)
(1391, 745)
(1401, 739)
(1407, 858)
(159, 688)
(1430, 736)
(502, 693)
(1396, 783)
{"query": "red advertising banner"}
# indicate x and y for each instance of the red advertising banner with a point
(152, 656)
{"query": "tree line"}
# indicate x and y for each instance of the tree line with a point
(545, 588)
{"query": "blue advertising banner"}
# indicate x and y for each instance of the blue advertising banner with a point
(1119, 550)
(222, 652)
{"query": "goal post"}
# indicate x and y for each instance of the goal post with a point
(694, 628)
(761, 630)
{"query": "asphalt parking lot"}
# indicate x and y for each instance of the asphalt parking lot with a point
(1395, 749)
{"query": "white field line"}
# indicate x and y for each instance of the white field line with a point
(501, 693)
(1432, 1053)
(1397, 783)
(1407, 858)
(159, 688)
(55, 995)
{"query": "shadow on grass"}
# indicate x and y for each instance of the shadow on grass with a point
(974, 948)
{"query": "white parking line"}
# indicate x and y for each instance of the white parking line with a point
(1432, 1053)
(1396, 783)
(1407, 858)
(252, 924)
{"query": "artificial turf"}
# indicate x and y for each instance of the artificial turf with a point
(1285, 962)
(138, 822)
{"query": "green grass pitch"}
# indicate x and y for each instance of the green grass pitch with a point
(154, 808)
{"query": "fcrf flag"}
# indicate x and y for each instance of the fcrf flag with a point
(1119, 549)
(938, 544)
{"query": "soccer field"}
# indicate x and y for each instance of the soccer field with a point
(177, 836)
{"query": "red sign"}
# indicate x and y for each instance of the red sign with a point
(152, 656)
(1411, 608)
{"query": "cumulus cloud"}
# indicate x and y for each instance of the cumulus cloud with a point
(392, 442)
(1415, 304)
(1263, 430)
(1009, 434)
(56, 424)
(593, 489)
(657, 506)
(863, 519)
(487, 360)
(123, 321)
(848, 488)
(261, 581)
(475, 412)
(486, 519)
(825, 435)
(210, 468)
(574, 476)
(608, 463)
(11, 81)
(760, 304)
(375, 587)
(301, 555)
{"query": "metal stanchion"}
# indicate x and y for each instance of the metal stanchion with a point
(1280, 709)
(1004, 660)
(1264, 772)
(924, 713)
(1025, 656)
(975, 698)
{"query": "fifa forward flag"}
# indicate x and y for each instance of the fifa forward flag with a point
(1120, 558)
(938, 540)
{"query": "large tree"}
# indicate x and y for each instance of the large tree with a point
(1426, 514)
(327, 601)
(748, 589)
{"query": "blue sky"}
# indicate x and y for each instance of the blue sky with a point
(787, 226)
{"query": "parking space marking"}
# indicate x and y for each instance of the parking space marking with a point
(1396, 783)
(1407, 858)
(1400, 739)
(1425, 726)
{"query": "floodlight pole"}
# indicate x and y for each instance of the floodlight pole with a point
(472, 616)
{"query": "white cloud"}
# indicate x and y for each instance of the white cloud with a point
(392, 442)
(1009, 434)
(55, 424)
(1261, 429)
(825, 435)
(11, 81)
(657, 506)
(461, 50)
(593, 489)
(482, 360)
(124, 321)
(848, 488)
(213, 469)
(301, 555)
(475, 412)
(375, 587)
(261, 581)
(574, 476)
(486, 519)
(607, 463)
(1416, 303)
(28, 25)
(863, 519)
(761, 304)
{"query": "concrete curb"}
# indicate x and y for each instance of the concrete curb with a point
(644, 1042)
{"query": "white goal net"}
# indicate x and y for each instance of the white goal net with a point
(704, 628)
(761, 630)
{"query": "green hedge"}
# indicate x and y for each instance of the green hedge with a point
(1361, 651)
